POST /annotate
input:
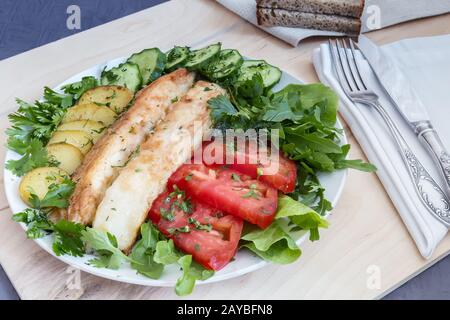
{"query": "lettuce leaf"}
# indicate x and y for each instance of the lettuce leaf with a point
(275, 243)
(302, 216)
(272, 244)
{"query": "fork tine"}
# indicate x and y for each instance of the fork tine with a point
(353, 50)
(340, 72)
(344, 66)
(350, 64)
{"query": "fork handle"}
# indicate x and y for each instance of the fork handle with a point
(429, 192)
(428, 135)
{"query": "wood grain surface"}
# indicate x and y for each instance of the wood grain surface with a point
(365, 231)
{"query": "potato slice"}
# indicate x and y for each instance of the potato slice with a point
(77, 138)
(38, 180)
(68, 156)
(90, 111)
(114, 97)
(94, 128)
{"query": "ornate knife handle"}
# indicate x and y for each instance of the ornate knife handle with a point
(430, 193)
(428, 135)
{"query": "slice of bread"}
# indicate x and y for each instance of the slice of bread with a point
(348, 8)
(286, 18)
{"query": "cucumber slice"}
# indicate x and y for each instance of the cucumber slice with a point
(227, 62)
(199, 58)
(176, 57)
(270, 74)
(127, 75)
(151, 63)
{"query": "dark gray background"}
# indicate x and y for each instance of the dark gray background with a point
(26, 24)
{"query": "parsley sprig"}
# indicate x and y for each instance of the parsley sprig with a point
(32, 125)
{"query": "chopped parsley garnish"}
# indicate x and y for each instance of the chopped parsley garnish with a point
(235, 177)
(167, 214)
(199, 226)
(184, 205)
(259, 172)
(252, 192)
(184, 229)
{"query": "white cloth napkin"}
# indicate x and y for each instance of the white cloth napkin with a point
(425, 62)
(377, 14)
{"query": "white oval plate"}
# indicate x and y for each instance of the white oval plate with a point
(245, 261)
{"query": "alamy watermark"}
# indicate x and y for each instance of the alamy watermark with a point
(73, 281)
(227, 147)
(373, 281)
(373, 17)
(73, 21)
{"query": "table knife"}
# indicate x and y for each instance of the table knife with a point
(404, 98)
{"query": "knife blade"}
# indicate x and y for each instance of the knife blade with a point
(394, 82)
(404, 98)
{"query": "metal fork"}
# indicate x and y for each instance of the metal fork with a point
(344, 60)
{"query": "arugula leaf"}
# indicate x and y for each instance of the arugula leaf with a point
(165, 252)
(144, 250)
(77, 89)
(152, 252)
(357, 164)
(105, 245)
(309, 191)
(342, 163)
(315, 141)
(191, 273)
(34, 156)
(67, 238)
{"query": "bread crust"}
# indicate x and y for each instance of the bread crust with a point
(286, 18)
(348, 8)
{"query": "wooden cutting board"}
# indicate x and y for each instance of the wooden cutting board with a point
(365, 253)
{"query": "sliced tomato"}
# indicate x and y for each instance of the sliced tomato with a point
(198, 229)
(276, 170)
(231, 191)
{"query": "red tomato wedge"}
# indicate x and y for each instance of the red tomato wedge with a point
(276, 170)
(229, 190)
(198, 229)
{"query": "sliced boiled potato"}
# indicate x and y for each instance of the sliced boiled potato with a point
(38, 180)
(90, 111)
(68, 156)
(114, 97)
(77, 138)
(94, 128)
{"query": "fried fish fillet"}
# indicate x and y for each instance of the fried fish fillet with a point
(126, 203)
(102, 164)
